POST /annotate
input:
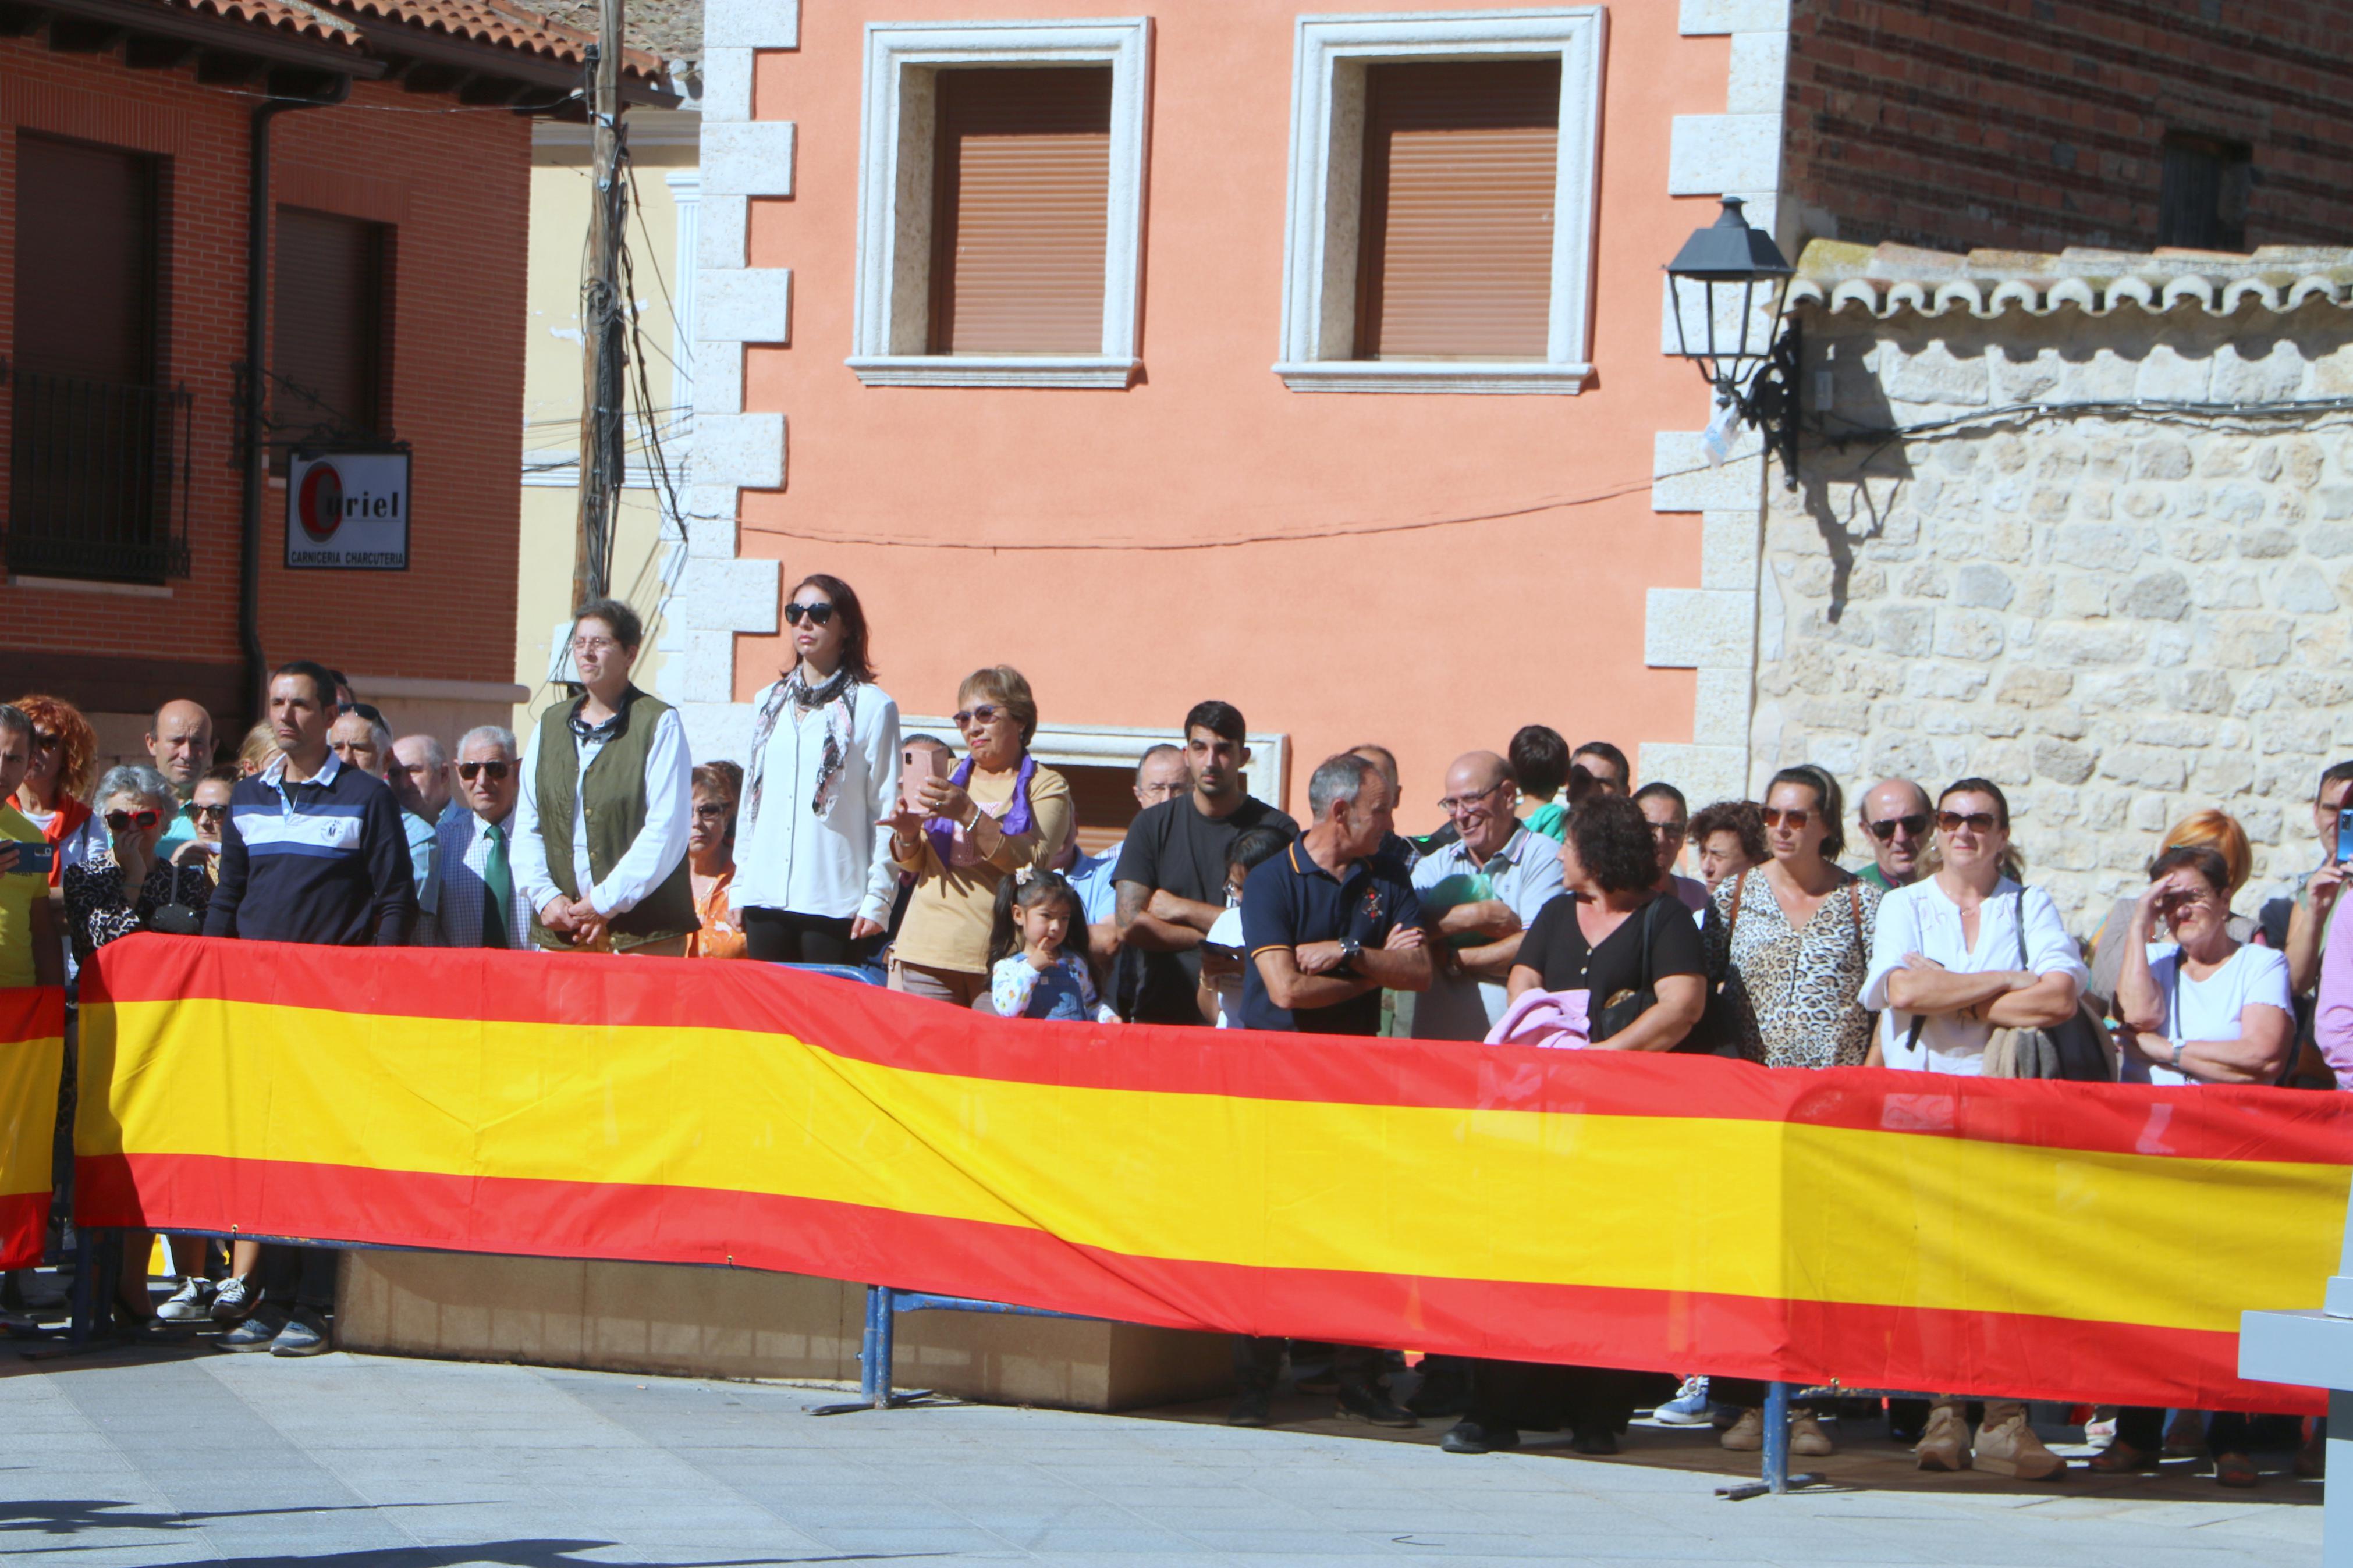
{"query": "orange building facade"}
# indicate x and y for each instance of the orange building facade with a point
(1364, 491)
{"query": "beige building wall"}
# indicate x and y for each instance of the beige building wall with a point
(665, 152)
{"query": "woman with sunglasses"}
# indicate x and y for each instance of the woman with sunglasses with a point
(2204, 1008)
(55, 795)
(711, 860)
(812, 879)
(962, 834)
(1792, 939)
(1947, 969)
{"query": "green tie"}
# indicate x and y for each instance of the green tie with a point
(498, 887)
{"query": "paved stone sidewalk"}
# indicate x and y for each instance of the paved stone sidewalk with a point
(365, 1462)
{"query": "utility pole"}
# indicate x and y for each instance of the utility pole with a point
(602, 318)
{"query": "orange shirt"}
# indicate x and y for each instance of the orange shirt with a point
(720, 936)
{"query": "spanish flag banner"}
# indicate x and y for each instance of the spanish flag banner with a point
(31, 1060)
(1887, 1230)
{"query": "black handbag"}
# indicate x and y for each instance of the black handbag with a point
(1620, 1010)
(2078, 1051)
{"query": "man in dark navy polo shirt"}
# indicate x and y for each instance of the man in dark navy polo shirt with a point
(1330, 922)
(1327, 924)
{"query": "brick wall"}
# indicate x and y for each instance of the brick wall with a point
(2036, 124)
(2118, 620)
(456, 187)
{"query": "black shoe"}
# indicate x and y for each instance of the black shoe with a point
(1442, 1393)
(1364, 1401)
(1467, 1437)
(1252, 1407)
(1593, 1440)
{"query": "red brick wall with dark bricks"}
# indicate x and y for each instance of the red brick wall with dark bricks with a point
(456, 187)
(2036, 124)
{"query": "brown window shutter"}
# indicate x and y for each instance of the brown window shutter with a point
(1022, 178)
(1454, 259)
(85, 304)
(326, 337)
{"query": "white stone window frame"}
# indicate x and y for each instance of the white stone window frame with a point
(896, 138)
(1321, 239)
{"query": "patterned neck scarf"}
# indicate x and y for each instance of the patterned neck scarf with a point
(617, 725)
(1017, 821)
(839, 698)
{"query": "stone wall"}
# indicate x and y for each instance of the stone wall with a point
(2119, 618)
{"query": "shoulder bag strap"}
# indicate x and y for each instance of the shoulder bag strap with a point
(2022, 929)
(1739, 885)
(1919, 1020)
(1854, 910)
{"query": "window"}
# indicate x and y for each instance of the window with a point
(1001, 204)
(1440, 224)
(96, 449)
(1455, 253)
(2202, 202)
(1021, 176)
(326, 330)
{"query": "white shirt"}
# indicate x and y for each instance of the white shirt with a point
(1524, 874)
(837, 865)
(1226, 931)
(2208, 1009)
(465, 851)
(1920, 919)
(1090, 877)
(653, 854)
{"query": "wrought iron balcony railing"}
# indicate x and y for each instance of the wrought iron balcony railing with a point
(97, 477)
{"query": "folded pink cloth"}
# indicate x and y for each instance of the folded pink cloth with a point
(1555, 1019)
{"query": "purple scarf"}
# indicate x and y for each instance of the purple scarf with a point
(1017, 822)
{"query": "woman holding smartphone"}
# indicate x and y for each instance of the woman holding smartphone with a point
(814, 882)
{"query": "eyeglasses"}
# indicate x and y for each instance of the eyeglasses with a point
(1455, 804)
(818, 615)
(142, 819)
(1912, 825)
(1670, 830)
(1974, 821)
(593, 645)
(208, 813)
(496, 770)
(987, 713)
(1793, 819)
(367, 710)
(1167, 791)
(713, 810)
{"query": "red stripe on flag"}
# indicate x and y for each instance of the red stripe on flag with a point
(868, 1024)
(31, 1013)
(1863, 1346)
(24, 1229)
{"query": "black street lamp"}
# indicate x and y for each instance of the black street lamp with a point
(1755, 373)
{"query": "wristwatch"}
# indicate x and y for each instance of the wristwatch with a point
(1349, 950)
(2176, 1054)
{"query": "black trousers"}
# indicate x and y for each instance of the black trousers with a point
(1547, 1398)
(1258, 1362)
(782, 936)
(298, 1275)
(2227, 1431)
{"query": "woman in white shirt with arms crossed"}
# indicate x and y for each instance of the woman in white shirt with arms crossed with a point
(812, 879)
(1945, 972)
(2205, 1009)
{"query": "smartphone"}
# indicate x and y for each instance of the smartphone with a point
(36, 859)
(2345, 835)
(917, 764)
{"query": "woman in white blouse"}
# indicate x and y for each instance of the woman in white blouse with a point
(812, 879)
(2203, 1008)
(1953, 958)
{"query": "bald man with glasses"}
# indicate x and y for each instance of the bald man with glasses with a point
(1896, 817)
(477, 847)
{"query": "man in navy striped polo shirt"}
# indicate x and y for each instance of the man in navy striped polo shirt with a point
(312, 851)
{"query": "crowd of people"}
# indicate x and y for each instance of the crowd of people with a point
(1552, 907)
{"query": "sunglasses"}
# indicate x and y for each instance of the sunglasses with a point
(48, 740)
(987, 713)
(1974, 821)
(817, 615)
(142, 819)
(714, 810)
(496, 771)
(1912, 825)
(1776, 817)
(208, 813)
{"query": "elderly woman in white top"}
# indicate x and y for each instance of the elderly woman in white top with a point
(1954, 957)
(814, 882)
(2203, 1008)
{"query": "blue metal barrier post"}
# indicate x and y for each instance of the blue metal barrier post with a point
(2316, 1350)
(1776, 1480)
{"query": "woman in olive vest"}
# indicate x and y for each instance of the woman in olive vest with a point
(606, 801)
(996, 813)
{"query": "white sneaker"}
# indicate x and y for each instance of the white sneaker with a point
(231, 1302)
(191, 1303)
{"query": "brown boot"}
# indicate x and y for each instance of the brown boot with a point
(2007, 1445)
(1944, 1446)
